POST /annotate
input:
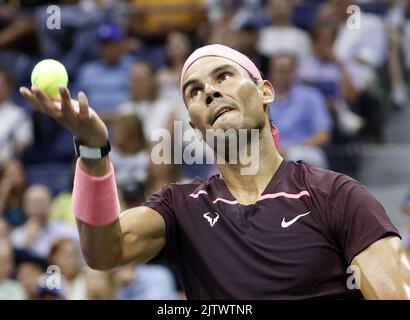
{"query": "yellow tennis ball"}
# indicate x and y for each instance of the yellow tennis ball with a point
(48, 75)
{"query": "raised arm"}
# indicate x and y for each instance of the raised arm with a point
(383, 270)
(137, 234)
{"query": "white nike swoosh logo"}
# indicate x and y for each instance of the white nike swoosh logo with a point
(285, 224)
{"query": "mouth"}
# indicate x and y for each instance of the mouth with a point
(219, 112)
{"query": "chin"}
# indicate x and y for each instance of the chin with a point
(228, 121)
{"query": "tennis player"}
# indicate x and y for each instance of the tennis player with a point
(288, 231)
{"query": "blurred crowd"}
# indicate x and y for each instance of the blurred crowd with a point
(337, 78)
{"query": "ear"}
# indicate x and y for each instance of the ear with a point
(268, 94)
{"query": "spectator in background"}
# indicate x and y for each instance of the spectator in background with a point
(105, 80)
(282, 35)
(405, 39)
(156, 17)
(133, 194)
(65, 254)
(16, 131)
(145, 282)
(12, 188)
(9, 289)
(61, 206)
(247, 34)
(395, 23)
(367, 44)
(340, 82)
(18, 40)
(45, 293)
(38, 233)
(17, 30)
(99, 285)
(147, 101)
(4, 230)
(405, 208)
(129, 155)
(29, 272)
(155, 110)
(366, 55)
(75, 41)
(177, 48)
(300, 113)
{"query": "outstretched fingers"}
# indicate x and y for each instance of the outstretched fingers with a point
(83, 106)
(31, 98)
(66, 105)
(46, 104)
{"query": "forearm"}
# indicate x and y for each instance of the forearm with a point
(96, 207)
(96, 168)
(101, 245)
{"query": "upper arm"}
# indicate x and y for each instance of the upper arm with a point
(356, 218)
(143, 234)
(382, 270)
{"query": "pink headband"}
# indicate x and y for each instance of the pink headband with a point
(218, 50)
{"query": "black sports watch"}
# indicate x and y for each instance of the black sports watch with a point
(91, 153)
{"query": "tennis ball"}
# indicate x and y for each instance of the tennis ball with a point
(48, 75)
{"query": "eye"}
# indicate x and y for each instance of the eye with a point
(224, 76)
(194, 92)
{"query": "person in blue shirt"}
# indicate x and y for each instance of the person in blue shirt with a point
(106, 80)
(300, 114)
(145, 282)
(405, 208)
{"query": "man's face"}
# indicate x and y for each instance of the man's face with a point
(282, 71)
(178, 46)
(37, 203)
(67, 258)
(28, 275)
(112, 51)
(323, 44)
(143, 82)
(220, 94)
(280, 11)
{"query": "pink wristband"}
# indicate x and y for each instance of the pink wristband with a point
(95, 199)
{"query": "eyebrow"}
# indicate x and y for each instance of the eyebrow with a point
(212, 73)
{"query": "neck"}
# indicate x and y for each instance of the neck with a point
(247, 188)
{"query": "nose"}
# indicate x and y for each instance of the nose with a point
(211, 94)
